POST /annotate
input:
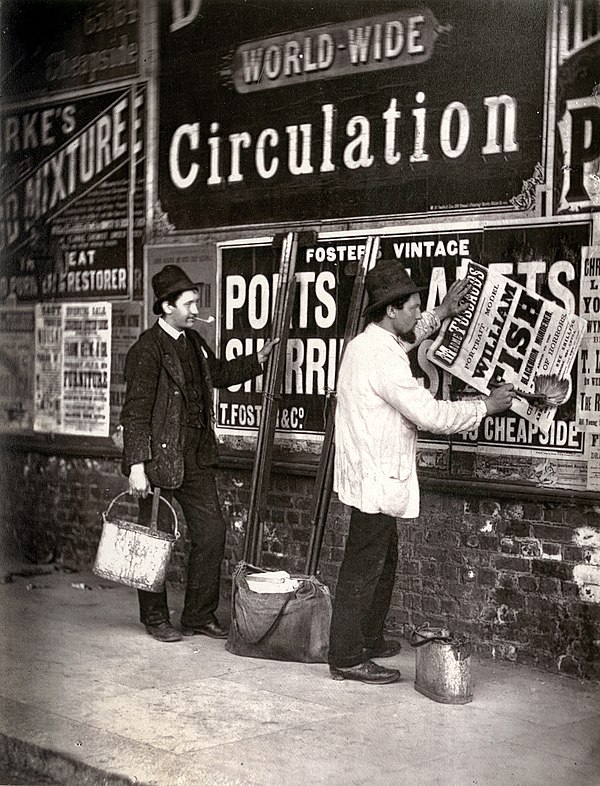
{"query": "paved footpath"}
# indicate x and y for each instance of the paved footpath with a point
(86, 697)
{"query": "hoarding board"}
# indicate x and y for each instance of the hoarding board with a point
(542, 262)
(419, 110)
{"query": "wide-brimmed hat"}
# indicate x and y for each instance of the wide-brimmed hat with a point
(386, 282)
(169, 281)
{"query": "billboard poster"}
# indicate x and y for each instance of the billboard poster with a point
(17, 368)
(367, 111)
(508, 334)
(324, 278)
(543, 262)
(325, 274)
(73, 190)
(588, 378)
(72, 368)
(577, 149)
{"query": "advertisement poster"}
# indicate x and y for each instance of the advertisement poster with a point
(324, 279)
(588, 377)
(369, 110)
(544, 261)
(16, 368)
(48, 404)
(593, 459)
(510, 334)
(577, 138)
(72, 368)
(73, 200)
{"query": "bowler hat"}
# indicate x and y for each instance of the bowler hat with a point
(169, 281)
(386, 282)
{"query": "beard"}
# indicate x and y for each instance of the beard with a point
(408, 336)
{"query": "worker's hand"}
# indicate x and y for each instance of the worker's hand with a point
(139, 485)
(264, 353)
(500, 398)
(454, 302)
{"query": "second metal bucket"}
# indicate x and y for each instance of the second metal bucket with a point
(442, 666)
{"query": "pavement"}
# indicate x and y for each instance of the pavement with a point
(87, 697)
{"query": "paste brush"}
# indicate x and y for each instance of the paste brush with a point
(549, 391)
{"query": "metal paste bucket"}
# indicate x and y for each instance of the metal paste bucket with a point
(134, 555)
(442, 666)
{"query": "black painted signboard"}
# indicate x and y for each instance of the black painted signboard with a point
(420, 109)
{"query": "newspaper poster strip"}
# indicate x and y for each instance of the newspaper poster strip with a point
(126, 327)
(509, 334)
(588, 377)
(17, 365)
(48, 367)
(72, 368)
(86, 369)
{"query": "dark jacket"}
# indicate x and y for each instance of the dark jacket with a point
(154, 414)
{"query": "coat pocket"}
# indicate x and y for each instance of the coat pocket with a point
(392, 495)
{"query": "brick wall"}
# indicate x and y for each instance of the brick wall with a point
(520, 579)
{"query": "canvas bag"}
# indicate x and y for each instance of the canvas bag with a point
(290, 626)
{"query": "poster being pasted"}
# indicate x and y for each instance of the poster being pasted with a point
(510, 334)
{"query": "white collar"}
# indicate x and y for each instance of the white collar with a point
(171, 331)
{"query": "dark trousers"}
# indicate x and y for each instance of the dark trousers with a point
(206, 532)
(364, 587)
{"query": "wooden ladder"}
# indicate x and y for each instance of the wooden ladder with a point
(324, 481)
(271, 399)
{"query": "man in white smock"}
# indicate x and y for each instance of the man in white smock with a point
(380, 407)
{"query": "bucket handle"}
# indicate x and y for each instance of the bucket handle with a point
(154, 514)
(418, 640)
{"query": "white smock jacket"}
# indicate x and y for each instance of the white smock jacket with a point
(380, 406)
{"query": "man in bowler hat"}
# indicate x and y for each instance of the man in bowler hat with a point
(169, 442)
(380, 407)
